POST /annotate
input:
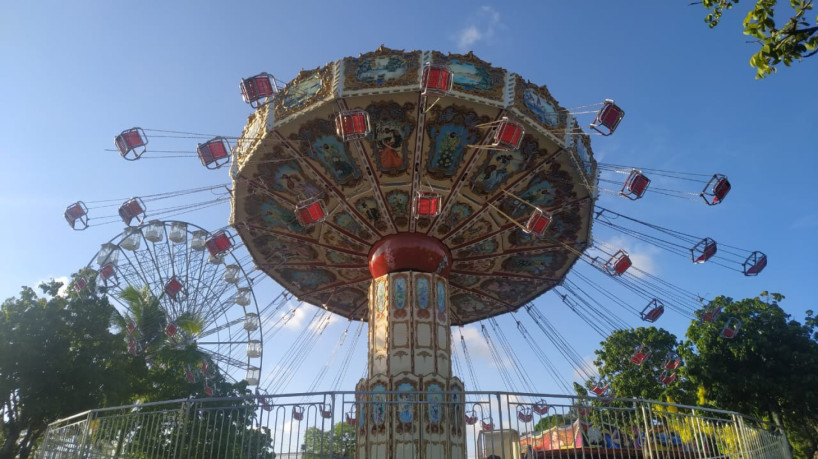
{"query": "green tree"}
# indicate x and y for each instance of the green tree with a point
(57, 357)
(629, 379)
(339, 442)
(784, 41)
(769, 369)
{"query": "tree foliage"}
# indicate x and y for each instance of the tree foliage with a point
(782, 41)
(628, 379)
(57, 358)
(768, 370)
(60, 355)
(339, 442)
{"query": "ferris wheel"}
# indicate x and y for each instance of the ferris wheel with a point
(196, 280)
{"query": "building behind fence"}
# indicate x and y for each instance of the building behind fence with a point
(497, 425)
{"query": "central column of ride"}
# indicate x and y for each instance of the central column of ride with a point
(410, 405)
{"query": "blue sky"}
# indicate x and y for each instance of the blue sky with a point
(75, 76)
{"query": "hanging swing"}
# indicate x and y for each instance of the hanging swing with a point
(132, 209)
(672, 361)
(703, 250)
(653, 311)
(635, 185)
(754, 264)
(131, 143)
(541, 407)
(711, 313)
(731, 328)
(487, 423)
(77, 216)
(608, 118)
(618, 263)
(640, 354)
(524, 413)
(471, 417)
(716, 190)
(214, 153)
(667, 377)
(256, 88)
(298, 412)
(426, 204)
(350, 417)
(309, 212)
(352, 124)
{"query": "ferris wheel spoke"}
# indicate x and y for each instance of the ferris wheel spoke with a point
(159, 252)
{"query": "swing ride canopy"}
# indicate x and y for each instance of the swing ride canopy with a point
(310, 201)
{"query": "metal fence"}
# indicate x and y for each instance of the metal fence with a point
(496, 425)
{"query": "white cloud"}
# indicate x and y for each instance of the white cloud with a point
(475, 342)
(480, 26)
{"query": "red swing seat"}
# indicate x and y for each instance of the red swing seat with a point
(716, 190)
(541, 407)
(703, 250)
(352, 124)
(131, 143)
(132, 209)
(667, 377)
(426, 204)
(437, 80)
(310, 212)
(256, 88)
(618, 263)
(77, 216)
(640, 355)
(538, 223)
(754, 264)
(711, 314)
(508, 135)
(653, 311)
(524, 413)
(672, 361)
(635, 185)
(608, 118)
(731, 328)
(214, 153)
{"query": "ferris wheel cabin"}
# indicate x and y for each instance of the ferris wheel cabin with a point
(220, 244)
